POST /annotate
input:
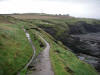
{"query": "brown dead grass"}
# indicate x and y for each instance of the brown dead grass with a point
(3, 20)
(30, 16)
(4, 27)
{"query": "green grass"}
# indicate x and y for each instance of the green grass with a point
(23, 71)
(36, 41)
(15, 49)
(69, 63)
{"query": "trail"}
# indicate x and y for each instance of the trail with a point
(42, 65)
(33, 47)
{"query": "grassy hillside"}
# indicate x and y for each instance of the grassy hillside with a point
(15, 49)
(38, 43)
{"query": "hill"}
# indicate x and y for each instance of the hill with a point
(38, 16)
(16, 51)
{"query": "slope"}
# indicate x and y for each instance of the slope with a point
(63, 61)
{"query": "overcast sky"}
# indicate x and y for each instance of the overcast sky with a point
(77, 8)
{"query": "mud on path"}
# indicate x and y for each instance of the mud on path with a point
(41, 65)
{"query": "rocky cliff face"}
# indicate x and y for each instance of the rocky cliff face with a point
(81, 27)
(85, 42)
(87, 46)
(88, 43)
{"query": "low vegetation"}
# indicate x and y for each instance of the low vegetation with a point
(16, 51)
(38, 43)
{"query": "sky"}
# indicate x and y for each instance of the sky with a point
(77, 8)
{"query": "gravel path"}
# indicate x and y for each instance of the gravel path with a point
(42, 65)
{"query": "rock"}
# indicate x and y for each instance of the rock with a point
(88, 44)
(94, 61)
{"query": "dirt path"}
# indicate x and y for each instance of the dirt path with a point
(33, 47)
(42, 64)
